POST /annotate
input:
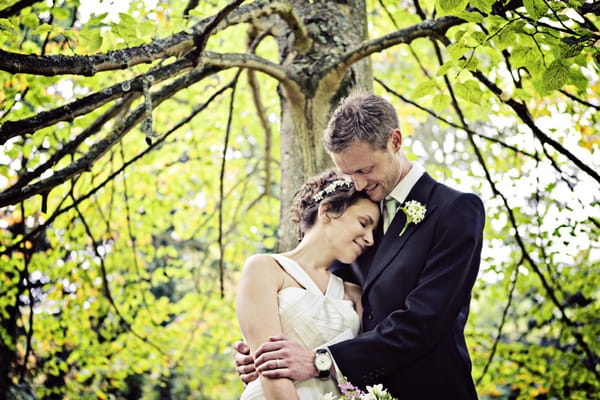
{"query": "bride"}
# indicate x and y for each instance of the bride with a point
(292, 293)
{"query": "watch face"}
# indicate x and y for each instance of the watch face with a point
(323, 362)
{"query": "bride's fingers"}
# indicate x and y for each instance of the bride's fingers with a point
(245, 369)
(241, 347)
(241, 360)
(247, 378)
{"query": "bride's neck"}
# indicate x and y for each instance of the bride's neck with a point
(312, 253)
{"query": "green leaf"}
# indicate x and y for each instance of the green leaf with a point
(30, 20)
(92, 39)
(457, 50)
(450, 6)
(504, 39)
(571, 51)
(479, 37)
(577, 78)
(440, 102)
(536, 8)
(61, 13)
(146, 29)
(96, 21)
(7, 25)
(523, 94)
(44, 28)
(469, 91)
(126, 19)
(445, 68)
(424, 88)
(469, 16)
(556, 75)
(484, 6)
(524, 56)
(470, 63)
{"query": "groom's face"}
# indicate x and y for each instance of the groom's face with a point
(374, 171)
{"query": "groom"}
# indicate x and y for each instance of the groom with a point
(416, 282)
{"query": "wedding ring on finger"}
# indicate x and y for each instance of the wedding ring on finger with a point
(277, 363)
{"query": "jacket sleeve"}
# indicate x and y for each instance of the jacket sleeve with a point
(431, 310)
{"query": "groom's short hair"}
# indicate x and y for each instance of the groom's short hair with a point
(360, 116)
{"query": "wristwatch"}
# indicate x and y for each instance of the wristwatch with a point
(323, 363)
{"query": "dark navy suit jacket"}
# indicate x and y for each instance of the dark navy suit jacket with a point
(416, 290)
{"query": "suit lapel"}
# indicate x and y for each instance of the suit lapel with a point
(391, 243)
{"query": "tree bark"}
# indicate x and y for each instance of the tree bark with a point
(306, 105)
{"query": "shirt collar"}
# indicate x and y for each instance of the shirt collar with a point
(403, 188)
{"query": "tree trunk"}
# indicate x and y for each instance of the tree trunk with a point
(307, 102)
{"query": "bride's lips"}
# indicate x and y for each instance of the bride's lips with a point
(360, 246)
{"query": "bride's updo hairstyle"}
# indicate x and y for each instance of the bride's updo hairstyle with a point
(328, 187)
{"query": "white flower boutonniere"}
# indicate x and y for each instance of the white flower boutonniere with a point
(415, 213)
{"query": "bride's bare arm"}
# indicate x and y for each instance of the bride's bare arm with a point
(258, 315)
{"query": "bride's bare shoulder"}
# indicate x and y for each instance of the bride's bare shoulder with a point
(261, 263)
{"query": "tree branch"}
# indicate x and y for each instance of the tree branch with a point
(511, 292)
(429, 28)
(189, 7)
(265, 8)
(251, 61)
(71, 146)
(523, 113)
(175, 45)
(253, 38)
(89, 103)
(38, 230)
(17, 7)
(453, 124)
(105, 282)
(84, 163)
(201, 37)
(302, 41)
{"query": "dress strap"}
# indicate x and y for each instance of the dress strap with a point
(295, 271)
(335, 288)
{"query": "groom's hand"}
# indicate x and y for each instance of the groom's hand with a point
(281, 357)
(244, 363)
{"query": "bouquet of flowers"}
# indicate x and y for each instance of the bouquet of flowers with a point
(350, 392)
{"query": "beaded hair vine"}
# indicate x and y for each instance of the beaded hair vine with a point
(332, 188)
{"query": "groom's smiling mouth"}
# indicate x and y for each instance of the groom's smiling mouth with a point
(371, 188)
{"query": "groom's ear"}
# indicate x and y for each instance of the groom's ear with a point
(396, 140)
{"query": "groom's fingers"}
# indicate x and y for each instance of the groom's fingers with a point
(277, 337)
(265, 348)
(267, 360)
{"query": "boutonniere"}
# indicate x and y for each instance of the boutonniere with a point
(415, 213)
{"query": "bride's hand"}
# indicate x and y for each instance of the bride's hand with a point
(281, 357)
(244, 363)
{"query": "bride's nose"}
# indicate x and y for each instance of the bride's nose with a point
(369, 239)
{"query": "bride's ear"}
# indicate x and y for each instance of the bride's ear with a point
(323, 213)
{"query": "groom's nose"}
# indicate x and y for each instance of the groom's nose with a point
(359, 182)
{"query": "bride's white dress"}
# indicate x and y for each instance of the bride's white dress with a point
(314, 320)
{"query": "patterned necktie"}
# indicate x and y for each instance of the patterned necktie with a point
(390, 206)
